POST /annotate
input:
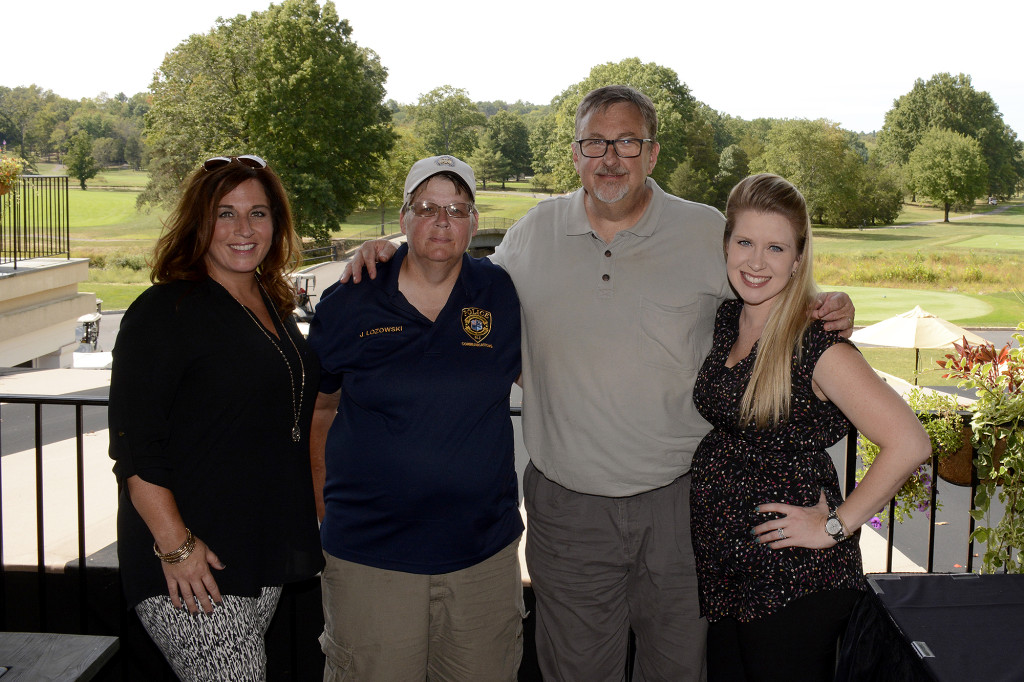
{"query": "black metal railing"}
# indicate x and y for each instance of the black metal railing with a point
(319, 254)
(79, 403)
(77, 581)
(34, 219)
(392, 227)
(890, 510)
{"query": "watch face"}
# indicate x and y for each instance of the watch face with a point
(833, 526)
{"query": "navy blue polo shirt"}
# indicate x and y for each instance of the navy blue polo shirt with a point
(420, 458)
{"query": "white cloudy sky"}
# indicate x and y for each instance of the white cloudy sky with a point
(845, 61)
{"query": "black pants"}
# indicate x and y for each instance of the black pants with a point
(795, 644)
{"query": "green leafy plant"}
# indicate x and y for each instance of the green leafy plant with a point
(938, 414)
(11, 168)
(997, 425)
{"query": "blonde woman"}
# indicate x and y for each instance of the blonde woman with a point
(778, 560)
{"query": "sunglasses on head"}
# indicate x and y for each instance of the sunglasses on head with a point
(250, 160)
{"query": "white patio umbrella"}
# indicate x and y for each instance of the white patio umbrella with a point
(915, 329)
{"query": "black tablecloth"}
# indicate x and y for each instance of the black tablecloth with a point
(937, 628)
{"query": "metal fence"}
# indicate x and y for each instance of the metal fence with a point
(76, 585)
(79, 403)
(34, 219)
(392, 227)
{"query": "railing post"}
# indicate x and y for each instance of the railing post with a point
(83, 601)
(40, 535)
(3, 565)
(934, 512)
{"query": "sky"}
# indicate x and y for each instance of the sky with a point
(843, 61)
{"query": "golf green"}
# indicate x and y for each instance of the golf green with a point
(1002, 242)
(875, 304)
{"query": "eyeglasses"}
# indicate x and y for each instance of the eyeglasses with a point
(428, 209)
(250, 160)
(626, 148)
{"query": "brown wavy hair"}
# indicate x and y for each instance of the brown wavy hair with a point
(181, 250)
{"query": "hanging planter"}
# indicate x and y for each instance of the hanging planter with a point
(10, 170)
(939, 415)
(998, 436)
(957, 467)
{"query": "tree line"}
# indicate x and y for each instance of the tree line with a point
(38, 124)
(290, 84)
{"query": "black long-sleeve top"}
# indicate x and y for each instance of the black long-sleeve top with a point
(201, 403)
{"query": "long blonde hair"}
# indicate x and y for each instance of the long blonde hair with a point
(767, 399)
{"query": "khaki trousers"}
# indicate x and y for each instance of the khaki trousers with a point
(395, 627)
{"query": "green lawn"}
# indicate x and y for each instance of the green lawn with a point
(930, 237)
(1003, 242)
(106, 223)
(115, 296)
(877, 303)
(899, 362)
(107, 177)
(490, 204)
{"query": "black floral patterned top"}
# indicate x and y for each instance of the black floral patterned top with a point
(736, 469)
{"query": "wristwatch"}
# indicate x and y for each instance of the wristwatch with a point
(835, 527)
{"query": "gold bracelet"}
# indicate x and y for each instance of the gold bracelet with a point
(846, 529)
(180, 554)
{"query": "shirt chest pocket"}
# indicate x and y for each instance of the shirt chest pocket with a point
(666, 335)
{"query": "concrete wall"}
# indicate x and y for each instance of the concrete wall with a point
(39, 309)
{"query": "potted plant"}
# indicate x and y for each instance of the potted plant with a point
(10, 171)
(938, 413)
(997, 425)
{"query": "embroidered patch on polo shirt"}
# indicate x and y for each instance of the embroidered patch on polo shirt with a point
(476, 322)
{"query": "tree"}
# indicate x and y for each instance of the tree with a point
(488, 162)
(949, 168)
(79, 161)
(880, 194)
(19, 108)
(672, 102)
(733, 166)
(388, 187)
(447, 120)
(542, 139)
(692, 183)
(288, 84)
(509, 134)
(107, 151)
(817, 157)
(951, 103)
(133, 152)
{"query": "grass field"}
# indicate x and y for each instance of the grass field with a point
(965, 270)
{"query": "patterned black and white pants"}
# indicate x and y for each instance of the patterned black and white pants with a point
(224, 646)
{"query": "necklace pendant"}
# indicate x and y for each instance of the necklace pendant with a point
(296, 433)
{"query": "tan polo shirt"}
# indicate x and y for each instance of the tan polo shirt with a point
(613, 337)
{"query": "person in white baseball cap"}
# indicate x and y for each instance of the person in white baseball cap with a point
(434, 165)
(413, 444)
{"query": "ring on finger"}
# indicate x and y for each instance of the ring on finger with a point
(782, 536)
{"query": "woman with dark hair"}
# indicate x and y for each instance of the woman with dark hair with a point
(211, 396)
(778, 562)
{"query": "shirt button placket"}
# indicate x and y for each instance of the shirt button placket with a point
(606, 272)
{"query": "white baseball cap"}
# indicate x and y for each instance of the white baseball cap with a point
(427, 168)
